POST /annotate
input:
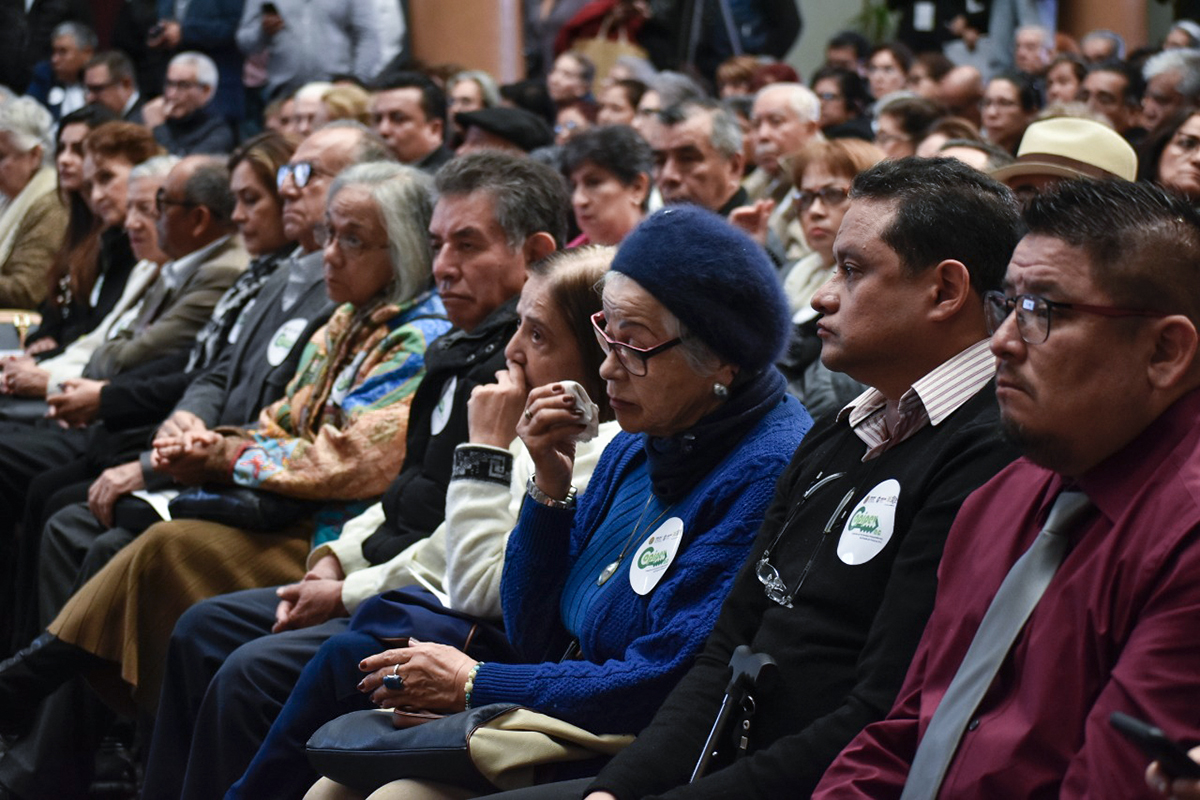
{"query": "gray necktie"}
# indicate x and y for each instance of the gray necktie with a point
(1014, 602)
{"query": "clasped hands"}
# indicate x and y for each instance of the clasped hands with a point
(78, 403)
(314, 599)
(22, 377)
(183, 447)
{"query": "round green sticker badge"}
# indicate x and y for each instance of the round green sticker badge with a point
(284, 340)
(870, 526)
(444, 408)
(654, 556)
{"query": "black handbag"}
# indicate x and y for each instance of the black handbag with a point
(240, 507)
(497, 746)
(364, 750)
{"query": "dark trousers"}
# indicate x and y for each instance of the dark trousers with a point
(56, 757)
(26, 451)
(227, 677)
(75, 546)
(328, 686)
(562, 790)
(48, 493)
(44, 468)
(326, 689)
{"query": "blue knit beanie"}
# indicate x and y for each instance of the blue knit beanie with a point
(717, 280)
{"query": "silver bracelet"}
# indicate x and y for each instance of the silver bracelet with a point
(538, 496)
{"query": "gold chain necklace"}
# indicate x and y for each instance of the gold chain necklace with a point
(611, 569)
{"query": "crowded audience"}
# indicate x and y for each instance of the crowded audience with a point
(342, 381)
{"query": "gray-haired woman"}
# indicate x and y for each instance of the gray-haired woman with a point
(34, 220)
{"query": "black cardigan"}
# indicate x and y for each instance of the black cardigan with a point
(844, 648)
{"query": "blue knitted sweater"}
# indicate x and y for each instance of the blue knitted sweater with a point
(633, 648)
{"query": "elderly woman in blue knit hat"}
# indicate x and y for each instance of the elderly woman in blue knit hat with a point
(626, 580)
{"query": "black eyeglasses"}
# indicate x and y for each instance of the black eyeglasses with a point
(633, 359)
(161, 201)
(302, 172)
(1034, 313)
(830, 196)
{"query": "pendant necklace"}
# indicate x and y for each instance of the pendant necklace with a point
(611, 569)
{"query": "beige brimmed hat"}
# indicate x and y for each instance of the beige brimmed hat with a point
(1070, 147)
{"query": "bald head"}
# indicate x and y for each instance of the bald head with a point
(327, 152)
(960, 91)
(349, 143)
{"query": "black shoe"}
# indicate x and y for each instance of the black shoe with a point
(117, 774)
(33, 673)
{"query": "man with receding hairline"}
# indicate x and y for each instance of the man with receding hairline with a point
(698, 156)
(961, 90)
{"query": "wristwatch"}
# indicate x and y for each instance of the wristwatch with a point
(540, 497)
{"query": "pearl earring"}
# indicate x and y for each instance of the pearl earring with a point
(721, 391)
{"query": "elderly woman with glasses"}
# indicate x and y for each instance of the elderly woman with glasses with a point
(625, 580)
(822, 173)
(335, 439)
(34, 219)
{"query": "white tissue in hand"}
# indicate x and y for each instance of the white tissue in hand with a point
(591, 411)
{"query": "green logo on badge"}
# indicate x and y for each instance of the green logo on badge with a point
(651, 558)
(862, 521)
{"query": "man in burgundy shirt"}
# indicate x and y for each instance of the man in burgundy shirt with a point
(1097, 377)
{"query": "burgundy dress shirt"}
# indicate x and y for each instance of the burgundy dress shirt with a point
(1118, 629)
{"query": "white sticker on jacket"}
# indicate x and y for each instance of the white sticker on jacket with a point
(653, 557)
(444, 408)
(345, 380)
(285, 338)
(870, 525)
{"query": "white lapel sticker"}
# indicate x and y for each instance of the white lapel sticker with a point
(444, 407)
(870, 526)
(653, 557)
(285, 338)
(345, 381)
